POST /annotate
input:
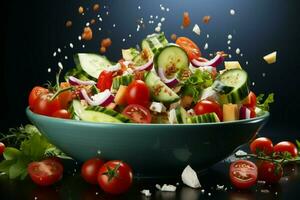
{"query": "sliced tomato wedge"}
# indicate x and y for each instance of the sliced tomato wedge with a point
(189, 46)
(46, 172)
(243, 174)
(137, 113)
(105, 80)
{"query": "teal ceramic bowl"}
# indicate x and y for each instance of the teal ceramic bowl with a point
(151, 149)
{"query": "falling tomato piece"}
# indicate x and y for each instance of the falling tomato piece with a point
(80, 10)
(87, 33)
(93, 21)
(173, 37)
(96, 7)
(102, 50)
(206, 19)
(106, 42)
(186, 20)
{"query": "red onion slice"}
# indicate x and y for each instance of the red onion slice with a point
(169, 82)
(75, 81)
(113, 68)
(217, 60)
(148, 66)
(245, 113)
(101, 99)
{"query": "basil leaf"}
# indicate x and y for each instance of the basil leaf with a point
(11, 153)
(18, 168)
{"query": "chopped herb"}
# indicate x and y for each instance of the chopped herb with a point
(264, 105)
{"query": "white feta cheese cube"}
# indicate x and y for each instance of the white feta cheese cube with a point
(190, 178)
(158, 107)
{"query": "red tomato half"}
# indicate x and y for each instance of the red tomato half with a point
(262, 144)
(2, 148)
(115, 177)
(251, 100)
(243, 174)
(46, 172)
(34, 95)
(45, 106)
(138, 93)
(189, 47)
(286, 146)
(206, 106)
(269, 172)
(105, 80)
(90, 169)
(62, 113)
(137, 113)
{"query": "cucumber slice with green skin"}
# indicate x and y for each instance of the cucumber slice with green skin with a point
(92, 64)
(139, 60)
(76, 109)
(238, 79)
(172, 59)
(154, 42)
(101, 114)
(181, 115)
(221, 88)
(205, 118)
(160, 91)
(129, 54)
(94, 90)
(122, 80)
(78, 74)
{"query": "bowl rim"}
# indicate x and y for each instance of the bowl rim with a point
(29, 113)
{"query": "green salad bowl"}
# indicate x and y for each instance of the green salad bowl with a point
(153, 150)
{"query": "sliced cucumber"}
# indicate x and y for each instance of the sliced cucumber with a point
(221, 88)
(139, 60)
(78, 74)
(160, 91)
(129, 54)
(122, 80)
(76, 109)
(181, 115)
(153, 43)
(94, 90)
(101, 114)
(172, 59)
(90, 63)
(236, 78)
(205, 118)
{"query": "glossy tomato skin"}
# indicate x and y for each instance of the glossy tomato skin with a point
(62, 113)
(2, 148)
(90, 169)
(262, 144)
(138, 93)
(120, 182)
(137, 113)
(34, 95)
(65, 97)
(105, 80)
(189, 47)
(243, 174)
(269, 172)
(286, 146)
(206, 106)
(46, 172)
(251, 100)
(45, 106)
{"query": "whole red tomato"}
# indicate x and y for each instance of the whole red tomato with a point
(46, 172)
(44, 105)
(251, 100)
(62, 113)
(286, 146)
(243, 174)
(138, 93)
(2, 148)
(90, 169)
(262, 144)
(65, 97)
(206, 106)
(105, 80)
(115, 177)
(269, 172)
(34, 95)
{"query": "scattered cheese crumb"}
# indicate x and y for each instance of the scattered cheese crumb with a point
(157, 107)
(247, 62)
(240, 153)
(58, 50)
(123, 40)
(196, 29)
(168, 188)
(232, 65)
(271, 58)
(54, 54)
(114, 25)
(209, 194)
(237, 51)
(162, 19)
(263, 74)
(157, 29)
(232, 12)
(66, 57)
(220, 187)
(168, 9)
(265, 191)
(229, 47)
(147, 193)
(189, 177)
(202, 191)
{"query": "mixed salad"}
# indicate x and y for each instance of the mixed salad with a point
(162, 82)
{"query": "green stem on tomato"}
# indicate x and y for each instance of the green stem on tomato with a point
(57, 79)
(11, 136)
(282, 161)
(59, 91)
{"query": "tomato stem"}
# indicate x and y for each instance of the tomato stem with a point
(283, 160)
(59, 91)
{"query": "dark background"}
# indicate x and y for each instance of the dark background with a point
(34, 30)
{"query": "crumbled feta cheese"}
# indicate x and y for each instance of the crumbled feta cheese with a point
(79, 37)
(157, 29)
(157, 107)
(191, 112)
(189, 177)
(196, 29)
(147, 193)
(168, 9)
(220, 187)
(270, 58)
(265, 191)
(206, 46)
(229, 56)
(123, 40)
(66, 57)
(168, 188)
(229, 48)
(253, 83)
(247, 62)
(158, 186)
(209, 93)
(159, 24)
(232, 12)
(209, 194)
(261, 182)
(240, 153)
(87, 24)
(172, 117)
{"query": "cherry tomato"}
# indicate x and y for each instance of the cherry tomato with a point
(105, 80)
(243, 174)
(251, 100)
(206, 106)
(62, 113)
(137, 113)
(90, 169)
(269, 172)
(138, 93)
(65, 97)
(34, 95)
(262, 144)
(46, 172)
(45, 106)
(115, 177)
(286, 146)
(2, 148)
(189, 47)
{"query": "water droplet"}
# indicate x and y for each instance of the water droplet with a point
(79, 37)
(207, 35)
(206, 46)
(98, 152)
(49, 70)
(58, 50)
(229, 47)
(139, 7)
(229, 37)
(253, 83)
(237, 51)
(54, 54)
(71, 45)
(229, 41)
(232, 12)
(60, 65)
(263, 74)
(247, 62)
